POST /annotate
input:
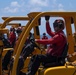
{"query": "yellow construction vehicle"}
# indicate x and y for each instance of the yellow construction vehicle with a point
(70, 66)
(4, 30)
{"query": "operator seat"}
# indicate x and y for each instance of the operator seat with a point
(60, 60)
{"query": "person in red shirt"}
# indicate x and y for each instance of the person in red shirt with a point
(44, 37)
(57, 44)
(11, 41)
(12, 36)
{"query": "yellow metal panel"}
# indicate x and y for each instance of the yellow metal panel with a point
(69, 34)
(15, 25)
(1, 43)
(33, 14)
(62, 70)
(13, 18)
(36, 51)
(5, 51)
(4, 18)
(25, 68)
(35, 33)
(4, 30)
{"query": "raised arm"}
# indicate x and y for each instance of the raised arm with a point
(48, 29)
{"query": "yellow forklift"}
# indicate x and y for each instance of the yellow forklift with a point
(70, 66)
(4, 30)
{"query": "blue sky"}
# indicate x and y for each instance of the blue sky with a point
(23, 7)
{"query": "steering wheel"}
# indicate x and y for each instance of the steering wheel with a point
(32, 40)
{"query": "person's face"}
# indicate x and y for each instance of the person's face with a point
(56, 29)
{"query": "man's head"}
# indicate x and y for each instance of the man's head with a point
(58, 25)
(12, 29)
(19, 30)
(44, 34)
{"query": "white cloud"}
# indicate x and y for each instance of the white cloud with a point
(12, 10)
(57, 6)
(33, 5)
(39, 2)
(37, 5)
(60, 6)
(15, 4)
(35, 9)
(54, 3)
